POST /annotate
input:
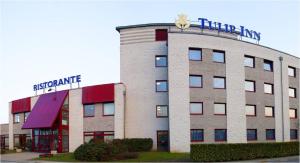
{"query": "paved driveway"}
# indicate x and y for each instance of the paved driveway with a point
(18, 157)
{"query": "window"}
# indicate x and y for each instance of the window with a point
(250, 86)
(294, 134)
(268, 65)
(195, 54)
(219, 56)
(219, 82)
(89, 110)
(161, 35)
(220, 109)
(249, 61)
(16, 118)
(270, 134)
(250, 110)
(269, 111)
(26, 114)
(268, 88)
(251, 134)
(108, 109)
(292, 71)
(197, 135)
(161, 111)
(220, 135)
(17, 140)
(88, 136)
(98, 136)
(293, 113)
(196, 81)
(292, 92)
(161, 86)
(196, 108)
(161, 61)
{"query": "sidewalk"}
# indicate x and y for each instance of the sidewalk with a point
(280, 159)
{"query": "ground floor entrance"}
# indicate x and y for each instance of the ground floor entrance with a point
(4, 141)
(162, 140)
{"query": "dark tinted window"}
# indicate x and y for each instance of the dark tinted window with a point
(251, 134)
(270, 134)
(197, 135)
(220, 135)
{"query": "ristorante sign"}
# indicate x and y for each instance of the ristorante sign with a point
(58, 82)
(183, 23)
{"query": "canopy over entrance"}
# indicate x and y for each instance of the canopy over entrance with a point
(46, 110)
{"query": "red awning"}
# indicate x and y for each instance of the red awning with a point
(98, 94)
(46, 110)
(21, 105)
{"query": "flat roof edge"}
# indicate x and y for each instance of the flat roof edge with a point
(118, 28)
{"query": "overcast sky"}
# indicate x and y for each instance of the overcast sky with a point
(47, 40)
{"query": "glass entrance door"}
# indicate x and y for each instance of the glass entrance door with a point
(162, 140)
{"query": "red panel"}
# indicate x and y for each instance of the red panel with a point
(21, 105)
(98, 94)
(161, 35)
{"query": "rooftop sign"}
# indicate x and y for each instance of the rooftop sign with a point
(58, 82)
(183, 23)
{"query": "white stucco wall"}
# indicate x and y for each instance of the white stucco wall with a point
(11, 128)
(119, 111)
(179, 95)
(75, 119)
(138, 73)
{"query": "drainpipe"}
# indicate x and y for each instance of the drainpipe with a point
(281, 83)
(124, 113)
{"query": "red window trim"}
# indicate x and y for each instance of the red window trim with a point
(161, 34)
(93, 133)
(21, 105)
(162, 116)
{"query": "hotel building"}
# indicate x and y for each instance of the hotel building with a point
(178, 87)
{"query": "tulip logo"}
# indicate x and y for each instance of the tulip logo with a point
(182, 22)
